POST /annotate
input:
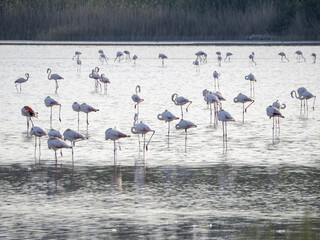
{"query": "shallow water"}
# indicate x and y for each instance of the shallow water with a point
(197, 190)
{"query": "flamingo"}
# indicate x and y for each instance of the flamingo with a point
(278, 106)
(225, 117)
(220, 97)
(184, 124)
(55, 77)
(95, 75)
(219, 60)
(135, 97)
(28, 113)
(56, 144)
(300, 91)
(251, 58)
(299, 55)
(242, 98)
(21, 80)
(314, 55)
(142, 128)
(127, 55)
(76, 55)
(162, 56)
(87, 109)
(216, 76)
(283, 55)
(37, 132)
(167, 117)
(114, 135)
(50, 102)
(252, 79)
(103, 58)
(73, 137)
(201, 56)
(228, 55)
(180, 101)
(55, 134)
(76, 108)
(206, 92)
(218, 53)
(273, 112)
(119, 56)
(306, 95)
(134, 58)
(105, 81)
(212, 99)
(196, 63)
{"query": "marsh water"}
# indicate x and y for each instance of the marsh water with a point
(194, 189)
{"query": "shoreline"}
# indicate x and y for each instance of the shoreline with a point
(162, 43)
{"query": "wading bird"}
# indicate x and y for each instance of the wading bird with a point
(95, 75)
(134, 58)
(143, 129)
(37, 132)
(283, 55)
(54, 77)
(50, 102)
(185, 125)
(127, 55)
(28, 113)
(180, 101)
(21, 80)
(224, 117)
(162, 56)
(56, 144)
(119, 56)
(136, 99)
(314, 55)
(76, 108)
(299, 56)
(306, 95)
(252, 79)
(167, 117)
(216, 76)
(213, 99)
(114, 135)
(273, 112)
(228, 55)
(300, 91)
(251, 59)
(242, 98)
(87, 109)
(105, 82)
(73, 137)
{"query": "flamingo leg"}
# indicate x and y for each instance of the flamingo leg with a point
(57, 86)
(273, 130)
(181, 112)
(78, 119)
(51, 117)
(144, 145)
(39, 148)
(56, 159)
(16, 88)
(35, 148)
(168, 132)
(20, 87)
(60, 112)
(210, 113)
(185, 140)
(226, 135)
(153, 132)
(243, 113)
(27, 126)
(114, 152)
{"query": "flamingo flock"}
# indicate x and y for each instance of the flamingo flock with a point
(213, 99)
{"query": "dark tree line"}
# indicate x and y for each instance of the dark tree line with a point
(156, 20)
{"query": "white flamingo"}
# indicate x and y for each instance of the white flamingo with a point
(300, 91)
(197, 64)
(283, 55)
(242, 98)
(162, 56)
(136, 99)
(216, 77)
(252, 79)
(119, 56)
(300, 55)
(213, 99)
(73, 137)
(185, 125)
(113, 134)
(180, 101)
(167, 117)
(37, 132)
(224, 117)
(306, 95)
(143, 129)
(50, 102)
(96, 76)
(127, 55)
(20, 81)
(28, 113)
(273, 112)
(134, 58)
(55, 134)
(105, 82)
(228, 55)
(54, 77)
(56, 144)
(87, 109)
(314, 55)
(251, 59)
